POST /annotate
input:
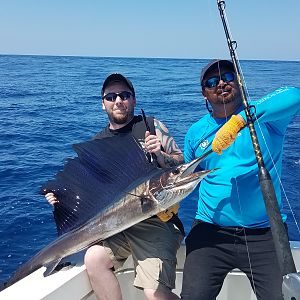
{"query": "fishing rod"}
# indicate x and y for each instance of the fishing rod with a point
(280, 237)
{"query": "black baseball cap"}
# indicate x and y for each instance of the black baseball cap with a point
(116, 77)
(216, 63)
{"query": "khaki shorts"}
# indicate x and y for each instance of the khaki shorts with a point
(153, 245)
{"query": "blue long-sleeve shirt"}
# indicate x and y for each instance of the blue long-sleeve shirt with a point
(231, 196)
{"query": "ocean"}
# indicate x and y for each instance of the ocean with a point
(48, 103)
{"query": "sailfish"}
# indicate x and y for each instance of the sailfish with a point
(109, 187)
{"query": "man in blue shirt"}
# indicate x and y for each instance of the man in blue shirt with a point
(231, 228)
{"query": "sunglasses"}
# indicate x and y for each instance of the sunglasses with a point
(214, 80)
(113, 96)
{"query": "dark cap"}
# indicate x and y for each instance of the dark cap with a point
(115, 77)
(216, 63)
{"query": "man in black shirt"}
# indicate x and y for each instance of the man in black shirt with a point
(154, 242)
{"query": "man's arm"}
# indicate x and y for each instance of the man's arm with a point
(282, 104)
(172, 155)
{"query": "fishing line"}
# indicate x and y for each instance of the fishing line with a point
(278, 175)
(238, 194)
(261, 131)
(279, 233)
(246, 242)
(224, 105)
(251, 271)
(238, 60)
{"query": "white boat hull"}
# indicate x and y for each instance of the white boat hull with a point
(73, 284)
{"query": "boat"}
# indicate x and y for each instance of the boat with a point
(72, 283)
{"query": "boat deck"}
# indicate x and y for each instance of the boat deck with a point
(73, 283)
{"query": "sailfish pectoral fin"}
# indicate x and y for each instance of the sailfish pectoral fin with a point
(146, 204)
(51, 267)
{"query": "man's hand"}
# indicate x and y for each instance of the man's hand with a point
(163, 146)
(226, 135)
(152, 144)
(166, 215)
(51, 198)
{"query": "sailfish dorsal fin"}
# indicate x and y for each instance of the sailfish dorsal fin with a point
(94, 179)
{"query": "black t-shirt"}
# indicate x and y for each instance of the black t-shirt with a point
(136, 127)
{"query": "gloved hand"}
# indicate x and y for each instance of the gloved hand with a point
(166, 215)
(226, 135)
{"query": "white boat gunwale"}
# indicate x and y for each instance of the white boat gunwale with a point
(73, 283)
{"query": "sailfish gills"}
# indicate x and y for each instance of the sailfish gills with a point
(108, 188)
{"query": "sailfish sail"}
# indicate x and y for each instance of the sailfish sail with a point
(94, 180)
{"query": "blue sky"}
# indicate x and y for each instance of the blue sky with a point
(264, 29)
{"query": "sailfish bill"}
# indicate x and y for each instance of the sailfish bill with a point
(109, 187)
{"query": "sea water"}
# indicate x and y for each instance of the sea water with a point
(48, 103)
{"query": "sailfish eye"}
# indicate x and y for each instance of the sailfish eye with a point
(175, 172)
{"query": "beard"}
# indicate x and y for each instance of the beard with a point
(226, 99)
(120, 119)
(232, 95)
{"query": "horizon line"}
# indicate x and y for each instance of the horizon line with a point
(142, 57)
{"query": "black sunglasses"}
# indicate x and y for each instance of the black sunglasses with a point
(113, 96)
(214, 80)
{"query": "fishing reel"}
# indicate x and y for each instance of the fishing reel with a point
(291, 286)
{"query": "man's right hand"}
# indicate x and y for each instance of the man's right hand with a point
(50, 197)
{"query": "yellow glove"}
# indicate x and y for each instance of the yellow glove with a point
(226, 135)
(166, 215)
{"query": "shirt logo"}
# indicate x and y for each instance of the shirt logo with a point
(204, 144)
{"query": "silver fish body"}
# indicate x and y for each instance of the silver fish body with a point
(141, 201)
